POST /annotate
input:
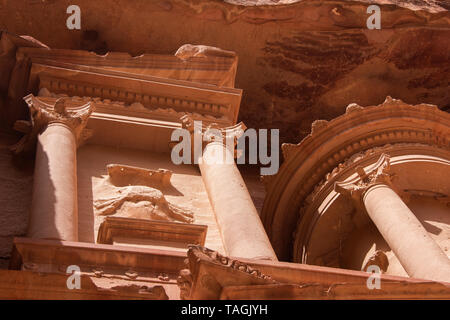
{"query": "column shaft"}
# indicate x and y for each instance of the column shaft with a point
(418, 253)
(240, 225)
(54, 213)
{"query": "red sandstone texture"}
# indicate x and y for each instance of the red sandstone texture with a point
(298, 60)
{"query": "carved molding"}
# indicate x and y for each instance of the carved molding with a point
(203, 67)
(198, 255)
(144, 106)
(152, 93)
(203, 253)
(179, 233)
(213, 276)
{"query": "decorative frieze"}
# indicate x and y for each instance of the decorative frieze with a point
(151, 95)
(121, 96)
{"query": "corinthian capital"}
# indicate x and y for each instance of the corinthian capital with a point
(379, 173)
(52, 110)
(212, 132)
(202, 135)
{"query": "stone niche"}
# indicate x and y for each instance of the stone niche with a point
(123, 163)
(106, 195)
(108, 190)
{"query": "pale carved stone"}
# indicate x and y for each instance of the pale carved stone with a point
(151, 200)
(134, 191)
(240, 225)
(214, 283)
(212, 132)
(42, 114)
(188, 51)
(379, 174)
(122, 175)
(374, 193)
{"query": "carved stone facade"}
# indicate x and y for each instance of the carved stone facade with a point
(92, 156)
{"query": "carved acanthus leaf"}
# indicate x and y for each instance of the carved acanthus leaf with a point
(42, 114)
(379, 174)
(212, 133)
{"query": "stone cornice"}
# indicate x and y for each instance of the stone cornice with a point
(168, 98)
(199, 67)
(212, 285)
(136, 109)
(159, 103)
(210, 275)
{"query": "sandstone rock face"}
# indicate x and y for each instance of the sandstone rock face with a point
(15, 198)
(8, 47)
(298, 60)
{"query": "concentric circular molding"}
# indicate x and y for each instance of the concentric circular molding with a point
(331, 143)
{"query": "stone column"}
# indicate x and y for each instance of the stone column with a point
(418, 253)
(54, 213)
(241, 228)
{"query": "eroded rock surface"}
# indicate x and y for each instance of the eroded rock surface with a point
(298, 60)
(15, 198)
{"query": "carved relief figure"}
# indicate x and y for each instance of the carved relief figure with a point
(139, 201)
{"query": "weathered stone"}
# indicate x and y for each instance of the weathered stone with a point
(367, 189)
(299, 60)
